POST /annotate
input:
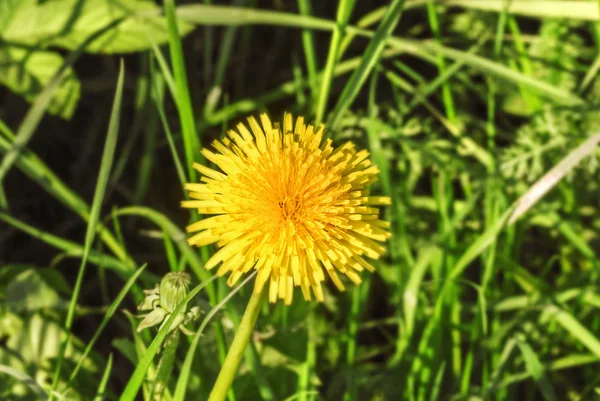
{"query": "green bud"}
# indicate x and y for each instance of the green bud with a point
(173, 289)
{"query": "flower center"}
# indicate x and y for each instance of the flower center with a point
(289, 206)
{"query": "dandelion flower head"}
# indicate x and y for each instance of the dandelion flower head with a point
(289, 205)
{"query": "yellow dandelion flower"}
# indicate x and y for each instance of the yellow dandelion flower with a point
(289, 205)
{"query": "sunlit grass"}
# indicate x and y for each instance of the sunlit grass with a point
(489, 289)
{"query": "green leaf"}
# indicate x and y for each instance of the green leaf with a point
(66, 23)
(152, 319)
(27, 72)
(29, 292)
(33, 350)
(25, 379)
(7, 9)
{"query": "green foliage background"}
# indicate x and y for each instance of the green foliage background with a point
(482, 116)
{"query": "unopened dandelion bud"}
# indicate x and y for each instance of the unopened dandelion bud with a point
(173, 289)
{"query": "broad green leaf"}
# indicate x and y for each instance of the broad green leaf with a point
(575, 9)
(35, 346)
(67, 23)
(7, 9)
(27, 72)
(29, 292)
(25, 379)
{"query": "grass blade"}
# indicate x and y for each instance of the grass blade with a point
(535, 368)
(343, 15)
(70, 248)
(109, 314)
(308, 46)
(575, 328)
(586, 10)
(370, 57)
(100, 394)
(183, 99)
(103, 176)
(223, 15)
(552, 177)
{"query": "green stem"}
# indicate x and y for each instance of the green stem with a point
(236, 351)
(165, 365)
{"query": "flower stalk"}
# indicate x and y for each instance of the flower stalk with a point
(236, 351)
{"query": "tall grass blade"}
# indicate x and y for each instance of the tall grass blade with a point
(101, 393)
(343, 15)
(103, 176)
(191, 143)
(108, 315)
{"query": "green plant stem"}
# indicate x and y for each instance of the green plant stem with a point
(165, 365)
(236, 351)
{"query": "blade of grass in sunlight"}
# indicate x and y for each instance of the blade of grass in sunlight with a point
(487, 66)
(137, 378)
(575, 328)
(344, 10)
(370, 57)
(183, 100)
(157, 95)
(101, 392)
(71, 248)
(223, 15)
(305, 8)
(226, 48)
(572, 9)
(441, 63)
(552, 177)
(568, 362)
(107, 317)
(103, 176)
(410, 298)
